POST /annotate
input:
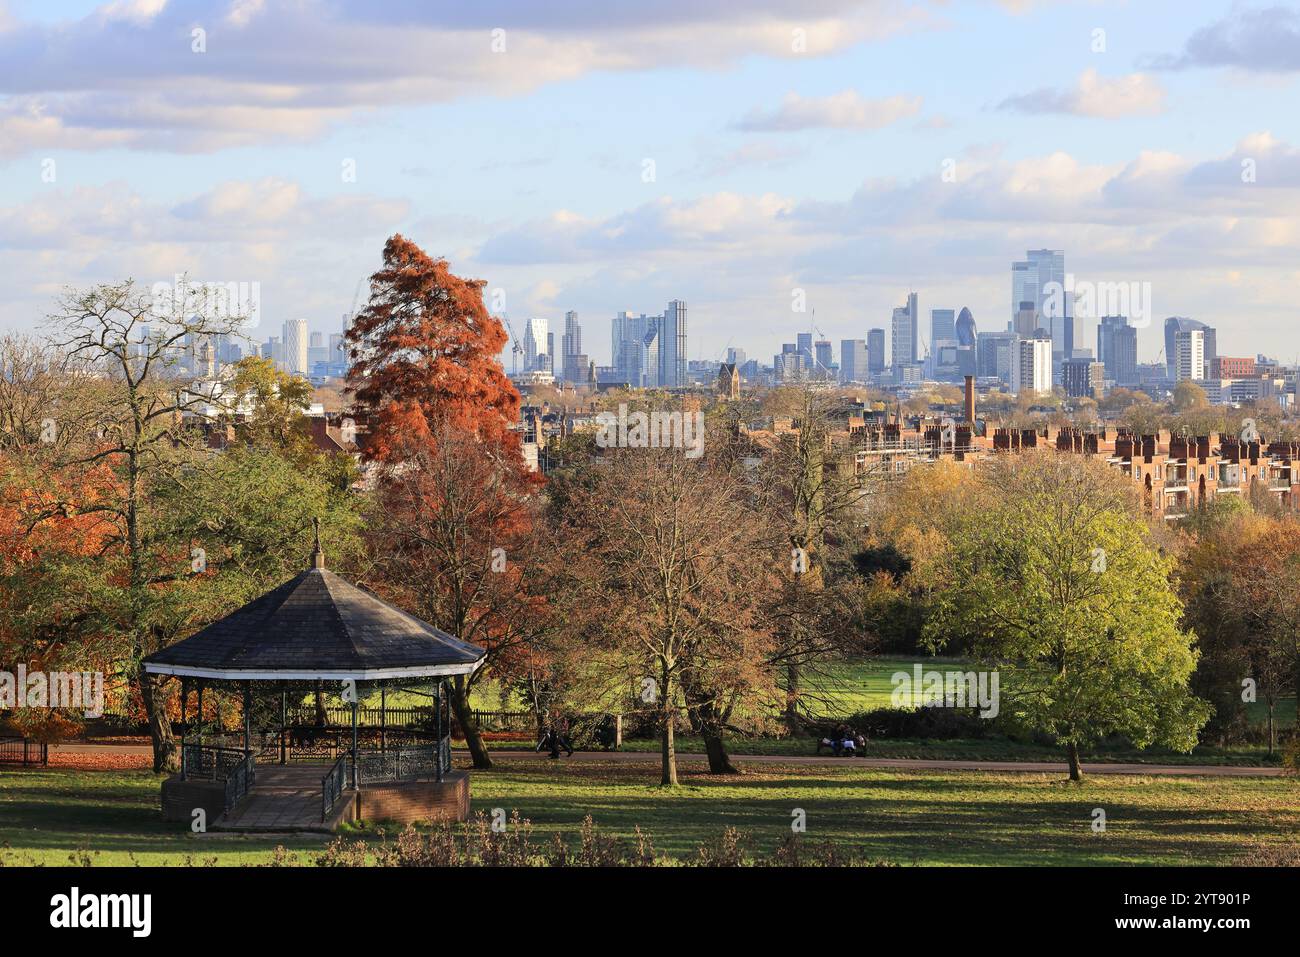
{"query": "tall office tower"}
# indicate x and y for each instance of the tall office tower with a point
(853, 360)
(1177, 324)
(943, 325)
(964, 328)
(1032, 370)
(736, 357)
(550, 351)
(337, 348)
(1189, 354)
(294, 336)
(672, 346)
(995, 355)
(570, 349)
(804, 342)
(648, 362)
(875, 351)
(905, 336)
(1117, 349)
(1030, 279)
(1026, 322)
(534, 343)
(823, 356)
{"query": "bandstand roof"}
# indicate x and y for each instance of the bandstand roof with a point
(317, 626)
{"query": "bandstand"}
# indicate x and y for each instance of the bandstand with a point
(317, 635)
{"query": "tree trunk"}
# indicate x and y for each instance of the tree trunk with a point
(1272, 728)
(465, 718)
(707, 722)
(1076, 769)
(792, 697)
(160, 726)
(668, 749)
(322, 715)
(716, 749)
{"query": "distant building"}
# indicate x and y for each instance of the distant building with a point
(1189, 355)
(1032, 371)
(875, 351)
(1117, 350)
(854, 360)
(905, 334)
(1082, 377)
(296, 343)
(728, 381)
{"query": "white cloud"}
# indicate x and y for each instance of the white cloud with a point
(1136, 94)
(288, 71)
(847, 110)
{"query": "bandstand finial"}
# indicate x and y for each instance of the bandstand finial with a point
(317, 555)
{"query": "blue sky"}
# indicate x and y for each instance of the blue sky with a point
(775, 169)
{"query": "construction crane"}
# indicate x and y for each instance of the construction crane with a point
(516, 348)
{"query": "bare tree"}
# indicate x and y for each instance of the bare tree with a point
(136, 418)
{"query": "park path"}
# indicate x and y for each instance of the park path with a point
(824, 760)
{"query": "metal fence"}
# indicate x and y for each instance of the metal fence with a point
(24, 751)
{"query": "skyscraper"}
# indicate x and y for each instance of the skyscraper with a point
(672, 346)
(875, 351)
(575, 361)
(1030, 280)
(943, 326)
(1189, 354)
(853, 360)
(295, 340)
(1209, 342)
(1117, 349)
(823, 359)
(965, 328)
(535, 331)
(905, 334)
(1032, 370)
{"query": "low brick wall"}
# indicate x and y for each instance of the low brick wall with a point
(180, 798)
(424, 801)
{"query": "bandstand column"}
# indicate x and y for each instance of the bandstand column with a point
(248, 716)
(437, 751)
(354, 740)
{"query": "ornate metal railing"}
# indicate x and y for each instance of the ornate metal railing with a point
(408, 763)
(240, 780)
(209, 762)
(331, 786)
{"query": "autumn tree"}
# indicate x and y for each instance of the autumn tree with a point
(455, 540)
(676, 564)
(425, 352)
(137, 420)
(810, 486)
(440, 413)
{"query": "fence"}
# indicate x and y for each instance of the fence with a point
(24, 751)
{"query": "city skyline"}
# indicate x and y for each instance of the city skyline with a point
(658, 154)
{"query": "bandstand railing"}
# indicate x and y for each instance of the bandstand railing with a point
(428, 760)
(231, 767)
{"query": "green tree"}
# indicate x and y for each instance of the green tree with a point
(1058, 584)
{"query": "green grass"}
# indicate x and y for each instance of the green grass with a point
(51, 815)
(902, 816)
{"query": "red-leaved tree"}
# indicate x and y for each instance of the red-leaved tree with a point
(425, 352)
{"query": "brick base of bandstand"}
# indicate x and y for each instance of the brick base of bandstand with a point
(288, 799)
(432, 802)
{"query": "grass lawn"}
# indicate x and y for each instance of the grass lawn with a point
(905, 817)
